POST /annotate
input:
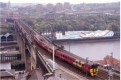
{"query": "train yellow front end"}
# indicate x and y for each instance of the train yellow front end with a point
(94, 70)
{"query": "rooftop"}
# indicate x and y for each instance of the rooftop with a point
(83, 34)
(107, 60)
(7, 73)
(9, 52)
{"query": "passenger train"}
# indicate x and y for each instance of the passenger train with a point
(86, 67)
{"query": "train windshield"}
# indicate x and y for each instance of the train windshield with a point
(94, 70)
(94, 66)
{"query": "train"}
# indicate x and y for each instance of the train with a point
(78, 62)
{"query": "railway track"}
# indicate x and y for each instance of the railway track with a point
(106, 74)
(67, 67)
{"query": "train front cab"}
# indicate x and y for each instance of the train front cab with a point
(94, 70)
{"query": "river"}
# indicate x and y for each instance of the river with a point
(93, 50)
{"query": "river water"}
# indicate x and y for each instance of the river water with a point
(93, 50)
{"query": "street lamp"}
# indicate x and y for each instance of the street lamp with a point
(86, 65)
(60, 73)
(69, 46)
(111, 61)
(110, 73)
(53, 60)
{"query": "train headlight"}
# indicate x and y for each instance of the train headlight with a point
(93, 71)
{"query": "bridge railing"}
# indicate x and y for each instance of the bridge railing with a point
(41, 62)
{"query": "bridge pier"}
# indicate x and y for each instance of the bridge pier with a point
(26, 54)
(25, 57)
(21, 47)
(28, 61)
(33, 57)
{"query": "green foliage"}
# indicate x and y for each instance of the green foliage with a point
(86, 22)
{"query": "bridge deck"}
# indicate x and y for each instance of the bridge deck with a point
(27, 32)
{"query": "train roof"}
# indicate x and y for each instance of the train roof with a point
(75, 56)
(67, 52)
(51, 44)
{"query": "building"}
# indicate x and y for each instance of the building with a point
(6, 66)
(7, 74)
(49, 7)
(15, 15)
(105, 33)
(35, 74)
(110, 60)
(39, 8)
(8, 5)
(67, 6)
(84, 34)
(59, 7)
(6, 37)
(3, 5)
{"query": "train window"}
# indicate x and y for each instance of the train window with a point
(79, 63)
(76, 61)
(66, 56)
(63, 55)
(70, 59)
